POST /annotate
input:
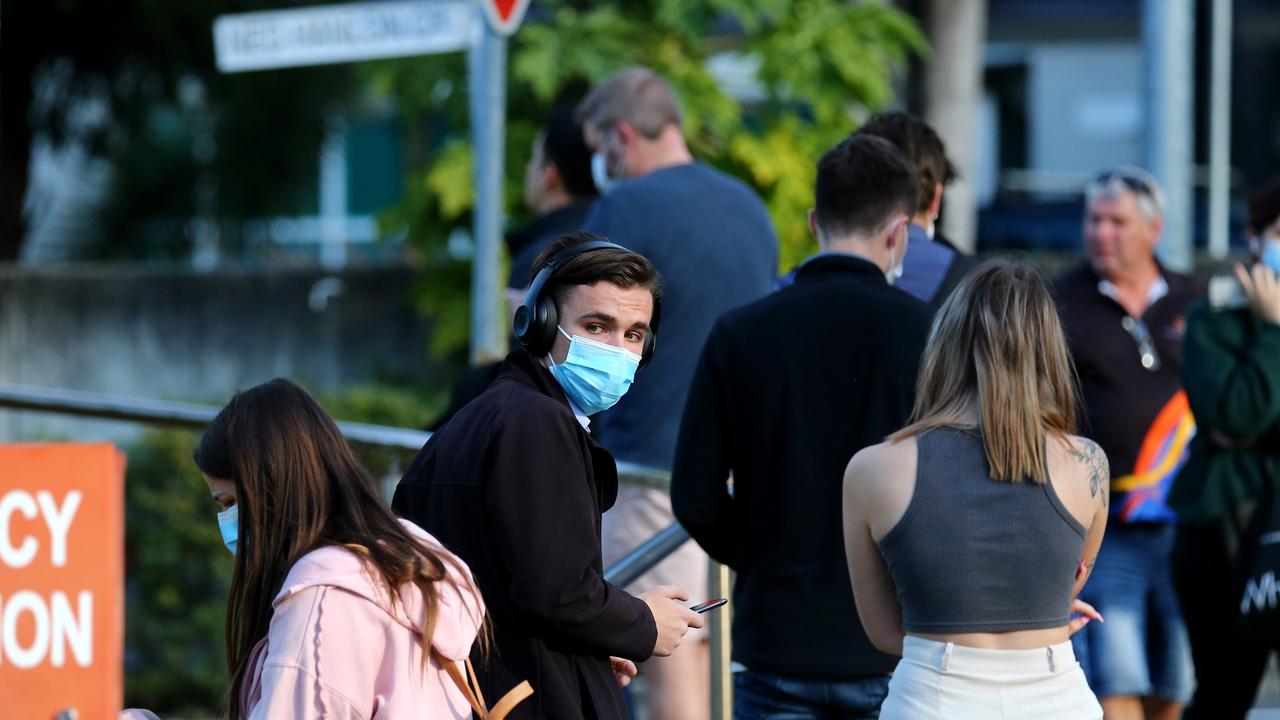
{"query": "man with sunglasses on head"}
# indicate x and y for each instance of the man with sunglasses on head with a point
(1124, 315)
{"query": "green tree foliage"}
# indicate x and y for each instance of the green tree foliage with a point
(134, 82)
(823, 65)
(178, 576)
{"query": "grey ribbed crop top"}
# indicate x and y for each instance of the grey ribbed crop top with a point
(975, 555)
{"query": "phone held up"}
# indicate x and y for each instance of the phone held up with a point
(709, 605)
(1225, 293)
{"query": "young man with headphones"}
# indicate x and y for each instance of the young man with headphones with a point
(515, 486)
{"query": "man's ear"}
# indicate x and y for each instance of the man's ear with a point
(813, 224)
(1157, 229)
(551, 179)
(936, 204)
(893, 237)
(626, 130)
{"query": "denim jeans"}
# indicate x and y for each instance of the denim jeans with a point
(1142, 648)
(758, 696)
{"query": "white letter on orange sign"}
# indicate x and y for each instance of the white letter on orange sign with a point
(67, 630)
(20, 556)
(59, 521)
(32, 656)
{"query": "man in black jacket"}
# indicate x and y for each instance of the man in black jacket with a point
(515, 486)
(788, 388)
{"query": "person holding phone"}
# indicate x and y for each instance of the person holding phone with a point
(970, 531)
(1232, 378)
(516, 486)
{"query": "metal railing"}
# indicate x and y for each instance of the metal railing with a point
(622, 573)
(196, 417)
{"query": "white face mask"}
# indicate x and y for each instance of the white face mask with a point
(895, 266)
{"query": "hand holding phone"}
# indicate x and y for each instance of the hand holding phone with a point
(709, 605)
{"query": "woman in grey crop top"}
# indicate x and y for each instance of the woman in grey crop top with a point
(970, 532)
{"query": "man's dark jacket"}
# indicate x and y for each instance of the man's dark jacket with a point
(525, 242)
(1121, 400)
(788, 388)
(516, 488)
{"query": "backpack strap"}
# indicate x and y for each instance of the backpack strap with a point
(469, 685)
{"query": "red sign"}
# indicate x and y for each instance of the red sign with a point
(504, 16)
(61, 580)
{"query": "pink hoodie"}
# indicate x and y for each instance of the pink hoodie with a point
(337, 649)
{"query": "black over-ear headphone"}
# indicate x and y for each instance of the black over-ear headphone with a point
(537, 317)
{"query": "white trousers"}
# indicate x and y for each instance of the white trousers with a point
(945, 680)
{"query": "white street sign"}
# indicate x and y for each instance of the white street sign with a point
(325, 34)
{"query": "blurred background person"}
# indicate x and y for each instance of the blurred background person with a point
(1123, 314)
(971, 530)
(782, 398)
(1232, 377)
(337, 608)
(558, 187)
(712, 240)
(933, 266)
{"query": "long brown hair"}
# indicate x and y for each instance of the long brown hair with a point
(996, 347)
(299, 487)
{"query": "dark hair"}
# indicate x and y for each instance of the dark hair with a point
(563, 146)
(624, 268)
(298, 488)
(861, 183)
(1264, 206)
(922, 146)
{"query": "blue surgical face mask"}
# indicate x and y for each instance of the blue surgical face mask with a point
(600, 173)
(229, 524)
(1271, 255)
(595, 375)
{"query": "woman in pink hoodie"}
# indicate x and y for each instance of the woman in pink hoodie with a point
(337, 608)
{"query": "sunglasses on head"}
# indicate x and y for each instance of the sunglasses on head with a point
(1135, 183)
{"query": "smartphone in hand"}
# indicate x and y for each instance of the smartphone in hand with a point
(709, 605)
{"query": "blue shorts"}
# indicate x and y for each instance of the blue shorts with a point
(1141, 648)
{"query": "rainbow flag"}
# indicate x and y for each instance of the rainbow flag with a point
(1140, 495)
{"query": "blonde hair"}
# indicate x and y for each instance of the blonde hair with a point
(997, 347)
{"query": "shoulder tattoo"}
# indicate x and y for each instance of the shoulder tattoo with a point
(1093, 458)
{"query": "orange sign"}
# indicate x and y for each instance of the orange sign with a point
(61, 581)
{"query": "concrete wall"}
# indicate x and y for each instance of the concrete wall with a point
(179, 335)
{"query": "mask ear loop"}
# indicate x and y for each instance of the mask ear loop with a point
(567, 336)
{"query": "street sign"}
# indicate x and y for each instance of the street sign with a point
(326, 34)
(504, 16)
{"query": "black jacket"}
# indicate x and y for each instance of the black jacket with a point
(1125, 407)
(515, 487)
(787, 390)
(525, 242)
(961, 265)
